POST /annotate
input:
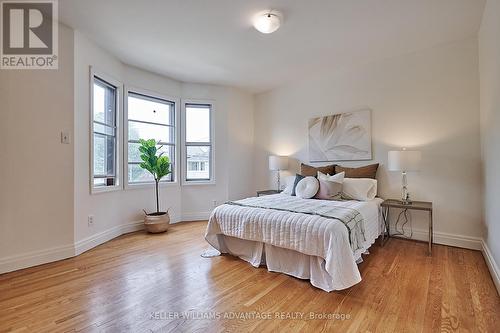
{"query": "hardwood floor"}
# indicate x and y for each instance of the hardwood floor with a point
(143, 283)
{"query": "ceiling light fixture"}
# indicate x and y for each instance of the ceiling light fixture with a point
(267, 22)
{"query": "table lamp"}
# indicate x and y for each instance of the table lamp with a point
(404, 161)
(278, 163)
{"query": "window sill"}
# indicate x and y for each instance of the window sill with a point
(137, 186)
(105, 189)
(198, 182)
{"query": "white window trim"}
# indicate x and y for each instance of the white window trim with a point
(119, 133)
(212, 180)
(131, 89)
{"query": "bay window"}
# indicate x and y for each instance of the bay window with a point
(146, 116)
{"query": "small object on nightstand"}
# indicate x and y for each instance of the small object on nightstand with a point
(415, 205)
(267, 192)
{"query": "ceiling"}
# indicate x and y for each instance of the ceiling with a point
(213, 41)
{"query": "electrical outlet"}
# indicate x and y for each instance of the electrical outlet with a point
(90, 220)
(214, 203)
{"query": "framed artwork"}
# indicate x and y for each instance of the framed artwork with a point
(341, 137)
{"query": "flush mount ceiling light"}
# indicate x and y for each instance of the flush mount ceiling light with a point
(267, 22)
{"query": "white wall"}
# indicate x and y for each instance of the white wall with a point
(36, 182)
(489, 60)
(241, 146)
(117, 209)
(428, 100)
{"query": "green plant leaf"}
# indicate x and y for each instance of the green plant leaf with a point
(155, 163)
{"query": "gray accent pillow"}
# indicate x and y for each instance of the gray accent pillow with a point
(298, 178)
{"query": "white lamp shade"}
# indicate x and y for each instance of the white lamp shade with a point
(404, 160)
(267, 23)
(278, 162)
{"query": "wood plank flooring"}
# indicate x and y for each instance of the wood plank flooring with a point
(159, 283)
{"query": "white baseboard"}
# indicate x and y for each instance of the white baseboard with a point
(104, 236)
(443, 238)
(492, 265)
(34, 258)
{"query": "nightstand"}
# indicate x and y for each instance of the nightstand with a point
(389, 204)
(267, 192)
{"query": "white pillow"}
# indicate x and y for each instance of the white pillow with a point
(362, 189)
(307, 188)
(338, 178)
(290, 181)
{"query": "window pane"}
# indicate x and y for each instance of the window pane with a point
(99, 155)
(104, 155)
(104, 97)
(149, 118)
(99, 101)
(198, 163)
(144, 109)
(138, 175)
(161, 133)
(103, 129)
(110, 155)
(134, 155)
(197, 123)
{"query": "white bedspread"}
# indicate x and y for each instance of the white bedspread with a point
(312, 235)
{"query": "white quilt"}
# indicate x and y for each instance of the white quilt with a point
(308, 234)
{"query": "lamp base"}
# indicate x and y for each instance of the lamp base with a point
(279, 181)
(405, 196)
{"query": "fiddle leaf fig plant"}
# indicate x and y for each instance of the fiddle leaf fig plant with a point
(155, 163)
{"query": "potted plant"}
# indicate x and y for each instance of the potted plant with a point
(159, 166)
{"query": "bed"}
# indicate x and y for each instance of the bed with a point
(318, 240)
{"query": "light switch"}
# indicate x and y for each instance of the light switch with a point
(65, 137)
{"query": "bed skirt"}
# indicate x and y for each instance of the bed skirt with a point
(279, 260)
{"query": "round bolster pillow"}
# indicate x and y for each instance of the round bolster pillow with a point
(307, 188)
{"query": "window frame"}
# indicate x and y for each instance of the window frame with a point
(154, 95)
(94, 73)
(211, 144)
